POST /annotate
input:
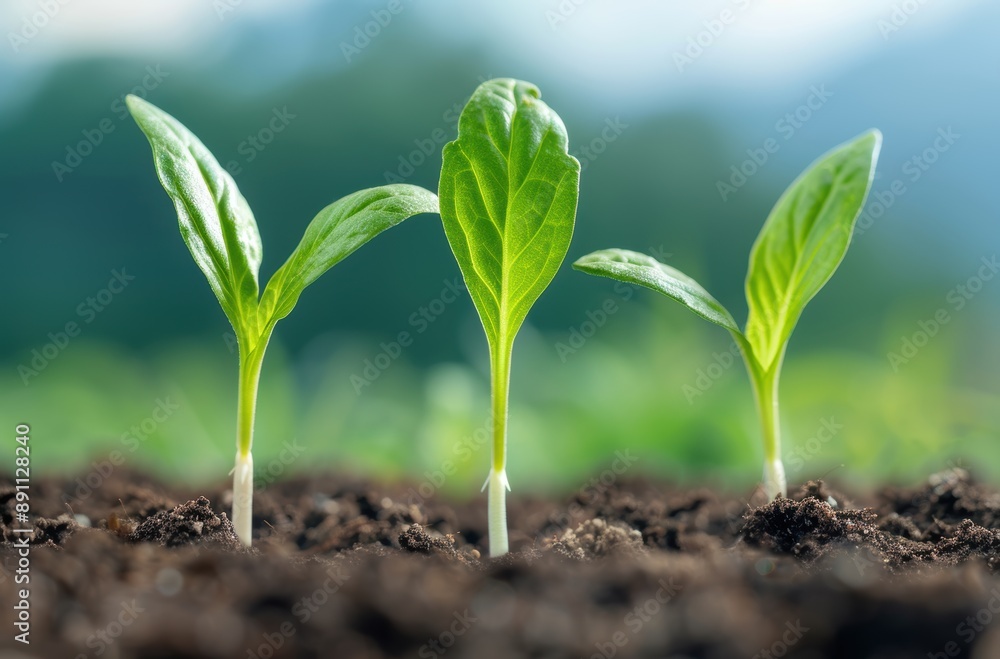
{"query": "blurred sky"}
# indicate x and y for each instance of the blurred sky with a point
(683, 93)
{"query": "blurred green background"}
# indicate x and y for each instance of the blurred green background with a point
(307, 101)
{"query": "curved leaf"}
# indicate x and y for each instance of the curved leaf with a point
(215, 220)
(334, 233)
(804, 240)
(508, 201)
(642, 270)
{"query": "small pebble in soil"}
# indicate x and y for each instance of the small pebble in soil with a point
(764, 566)
(169, 581)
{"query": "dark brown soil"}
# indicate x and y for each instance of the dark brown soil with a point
(350, 569)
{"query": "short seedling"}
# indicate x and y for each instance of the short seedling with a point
(508, 192)
(221, 232)
(801, 245)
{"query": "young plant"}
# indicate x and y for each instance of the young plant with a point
(219, 229)
(508, 203)
(803, 241)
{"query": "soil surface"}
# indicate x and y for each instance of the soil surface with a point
(346, 568)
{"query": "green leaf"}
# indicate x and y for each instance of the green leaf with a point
(334, 233)
(803, 242)
(508, 201)
(642, 270)
(214, 218)
(508, 191)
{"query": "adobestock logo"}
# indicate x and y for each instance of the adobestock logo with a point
(136, 436)
(956, 299)
(94, 137)
(971, 627)
(102, 639)
(34, 23)
(428, 147)
(255, 144)
(794, 631)
(463, 450)
(460, 625)
(707, 376)
(638, 618)
(712, 29)
(589, 152)
(881, 200)
(366, 32)
(420, 320)
(59, 340)
(786, 127)
(805, 451)
(290, 452)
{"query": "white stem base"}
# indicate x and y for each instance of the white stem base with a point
(243, 497)
(497, 511)
(774, 479)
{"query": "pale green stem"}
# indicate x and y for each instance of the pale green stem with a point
(497, 481)
(766, 393)
(765, 390)
(250, 365)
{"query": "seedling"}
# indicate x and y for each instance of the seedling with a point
(508, 203)
(221, 232)
(799, 248)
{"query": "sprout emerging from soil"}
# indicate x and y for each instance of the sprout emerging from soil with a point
(508, 191)
(799, 248)
(221, 232)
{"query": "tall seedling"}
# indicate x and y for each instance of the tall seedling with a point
(800, 247)
(508, 193)
(221, 232)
